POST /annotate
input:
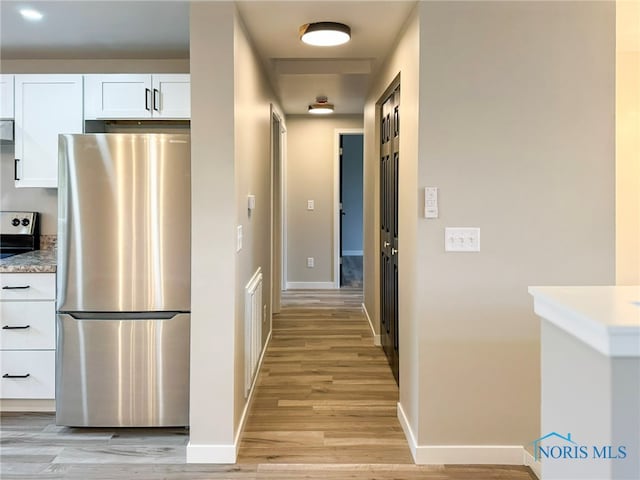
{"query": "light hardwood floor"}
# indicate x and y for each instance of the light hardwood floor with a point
(324, 409)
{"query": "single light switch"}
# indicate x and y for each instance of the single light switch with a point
(431, 202)
(458, 239)
(251, 202)
(310, 205)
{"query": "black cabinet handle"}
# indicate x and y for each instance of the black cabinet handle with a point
(147, 95)
(15, 169)
(6, 375)
(156, 100)
(16, 288)
(12, 327)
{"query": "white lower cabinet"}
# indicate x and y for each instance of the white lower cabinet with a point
(28, 374)
(27, 336)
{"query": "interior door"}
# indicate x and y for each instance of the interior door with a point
(389, 165)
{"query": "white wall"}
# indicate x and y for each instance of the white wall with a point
(513, 119)
(214, 214)
(231, 158)
(253, 101)
(311, 151)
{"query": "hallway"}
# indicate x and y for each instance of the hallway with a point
(325, 394)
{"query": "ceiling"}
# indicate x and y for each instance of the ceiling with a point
(99, 29)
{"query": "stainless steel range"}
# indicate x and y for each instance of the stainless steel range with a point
(19, 233)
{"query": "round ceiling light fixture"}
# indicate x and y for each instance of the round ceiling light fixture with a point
(325, 34)
(321, 107)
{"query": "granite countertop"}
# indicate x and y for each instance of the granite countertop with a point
(38, 261)
(605, 317)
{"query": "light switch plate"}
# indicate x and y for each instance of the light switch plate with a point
(251, 202)
(461, 239)
(310, 205)
(431, 202)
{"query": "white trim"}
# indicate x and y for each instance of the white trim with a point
(469, 454)
(336, 198)
(352, 253)
(283, 192)
(211, 453)
(534, 465)
(408, 433)
(376, 338)
(310, 286)
(464, 454)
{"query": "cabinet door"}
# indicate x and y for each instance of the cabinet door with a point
(45, 106)
(117, 96)
(6, 96)
(172, 96)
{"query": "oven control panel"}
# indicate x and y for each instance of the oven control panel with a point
(17, 223)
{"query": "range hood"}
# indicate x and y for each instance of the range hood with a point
(6, 132)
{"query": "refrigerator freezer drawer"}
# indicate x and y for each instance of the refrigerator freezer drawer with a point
(122, 373)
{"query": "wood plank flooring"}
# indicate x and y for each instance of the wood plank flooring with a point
(324, 409)
(325, 394)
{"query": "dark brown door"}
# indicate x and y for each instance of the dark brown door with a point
(389, 164)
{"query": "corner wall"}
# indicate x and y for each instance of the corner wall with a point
(214, 214)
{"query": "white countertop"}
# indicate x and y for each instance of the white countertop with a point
(607, 318)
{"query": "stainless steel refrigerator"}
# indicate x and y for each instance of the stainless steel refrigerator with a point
(123, 280)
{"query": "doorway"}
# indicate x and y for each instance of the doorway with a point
(349, 209)
(389, 167)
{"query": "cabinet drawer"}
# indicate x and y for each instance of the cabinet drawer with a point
(41, 370)
(39, 317)
(27, 286)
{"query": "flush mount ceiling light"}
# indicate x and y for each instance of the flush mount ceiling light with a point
(30, 14)
(321, 107)
(325, 34)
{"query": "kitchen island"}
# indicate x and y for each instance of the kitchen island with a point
(590, 376)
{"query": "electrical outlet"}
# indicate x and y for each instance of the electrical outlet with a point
(264, 313)
(461, 239)
(311, 205)
(239, 238)
(310, 262)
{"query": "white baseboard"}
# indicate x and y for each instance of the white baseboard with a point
(533, 464)
(311, 286)
(462, 454)
(376, 337)
(352, 253)
(469, 455)
(211, 453)
(408, 433)
(227, 453)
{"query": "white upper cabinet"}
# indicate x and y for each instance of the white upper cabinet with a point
(6, 96)
(171, 96)
(45, 106)
(139, 96)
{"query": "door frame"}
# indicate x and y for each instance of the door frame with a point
(336, 199)
(278, 201)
